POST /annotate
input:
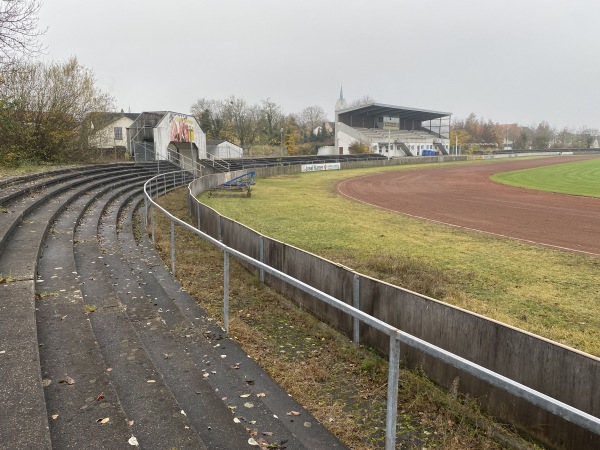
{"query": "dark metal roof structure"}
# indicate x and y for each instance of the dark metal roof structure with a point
(380, 109)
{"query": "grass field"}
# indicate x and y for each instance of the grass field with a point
(550, 293)
(577, 178)
(343, 385)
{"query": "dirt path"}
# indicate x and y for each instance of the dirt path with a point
(464, 196)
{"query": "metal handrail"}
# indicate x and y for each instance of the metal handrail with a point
(222, 164)
(561, 409)
(188, 163)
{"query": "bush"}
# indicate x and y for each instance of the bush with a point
(359, 148)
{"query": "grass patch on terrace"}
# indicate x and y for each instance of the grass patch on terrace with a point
(577, 178)
(344, 386)
(547, 292)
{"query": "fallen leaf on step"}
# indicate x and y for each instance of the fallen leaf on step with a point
(54, 416)
(70, 381)
(151, 381)
(261, 394)
(133, 441)
(293, 413)
(105, 420)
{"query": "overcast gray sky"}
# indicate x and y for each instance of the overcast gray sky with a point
(510, 61)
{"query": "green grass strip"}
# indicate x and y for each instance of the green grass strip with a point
(577, 178)
(548, 292)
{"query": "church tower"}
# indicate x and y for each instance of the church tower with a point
(341, 102)
(339, 106)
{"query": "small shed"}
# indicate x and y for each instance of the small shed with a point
(223, 149)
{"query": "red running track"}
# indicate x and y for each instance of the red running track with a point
(464, 196)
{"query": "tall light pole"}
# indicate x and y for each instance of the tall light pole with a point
(281, 133)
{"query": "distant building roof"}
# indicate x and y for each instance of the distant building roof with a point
(215, 141)
(380, 109)
(103, 119)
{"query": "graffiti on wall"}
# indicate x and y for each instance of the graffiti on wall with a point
(182, 128)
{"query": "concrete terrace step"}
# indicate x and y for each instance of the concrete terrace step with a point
(22, 406)
(226, 366)
(158, 420)
(113, 336)
(198, 358)
(21, 186)
(68, 348)
(22, 410)
(22, 202)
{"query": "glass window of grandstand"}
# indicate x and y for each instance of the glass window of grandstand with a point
(118, 133)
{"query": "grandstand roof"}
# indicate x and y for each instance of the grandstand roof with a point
(380, 109)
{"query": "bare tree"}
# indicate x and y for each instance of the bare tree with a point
(271, 121)
(243, 119)
(586, 136)
(19, 30)
(211, 115)
(310, 118)
(364, 100)
(543, 135)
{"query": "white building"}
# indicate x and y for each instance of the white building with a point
(222, 149)
(167, 135)
(392, 131)
(109, 130)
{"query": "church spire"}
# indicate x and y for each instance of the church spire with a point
(341, 103)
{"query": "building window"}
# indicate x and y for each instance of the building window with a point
(118, 133)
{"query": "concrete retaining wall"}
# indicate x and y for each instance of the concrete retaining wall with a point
(560, 372)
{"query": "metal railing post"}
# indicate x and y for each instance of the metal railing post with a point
(219, 235)
(392, 394)
(226, 291)
(173, 247)
(152, 222)
(145, 211)
(356, 304)
(261, 257)
(165, 184)
(198, 215)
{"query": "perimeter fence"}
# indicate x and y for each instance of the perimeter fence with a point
(545, 389)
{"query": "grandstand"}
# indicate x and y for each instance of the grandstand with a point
(392, 131)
